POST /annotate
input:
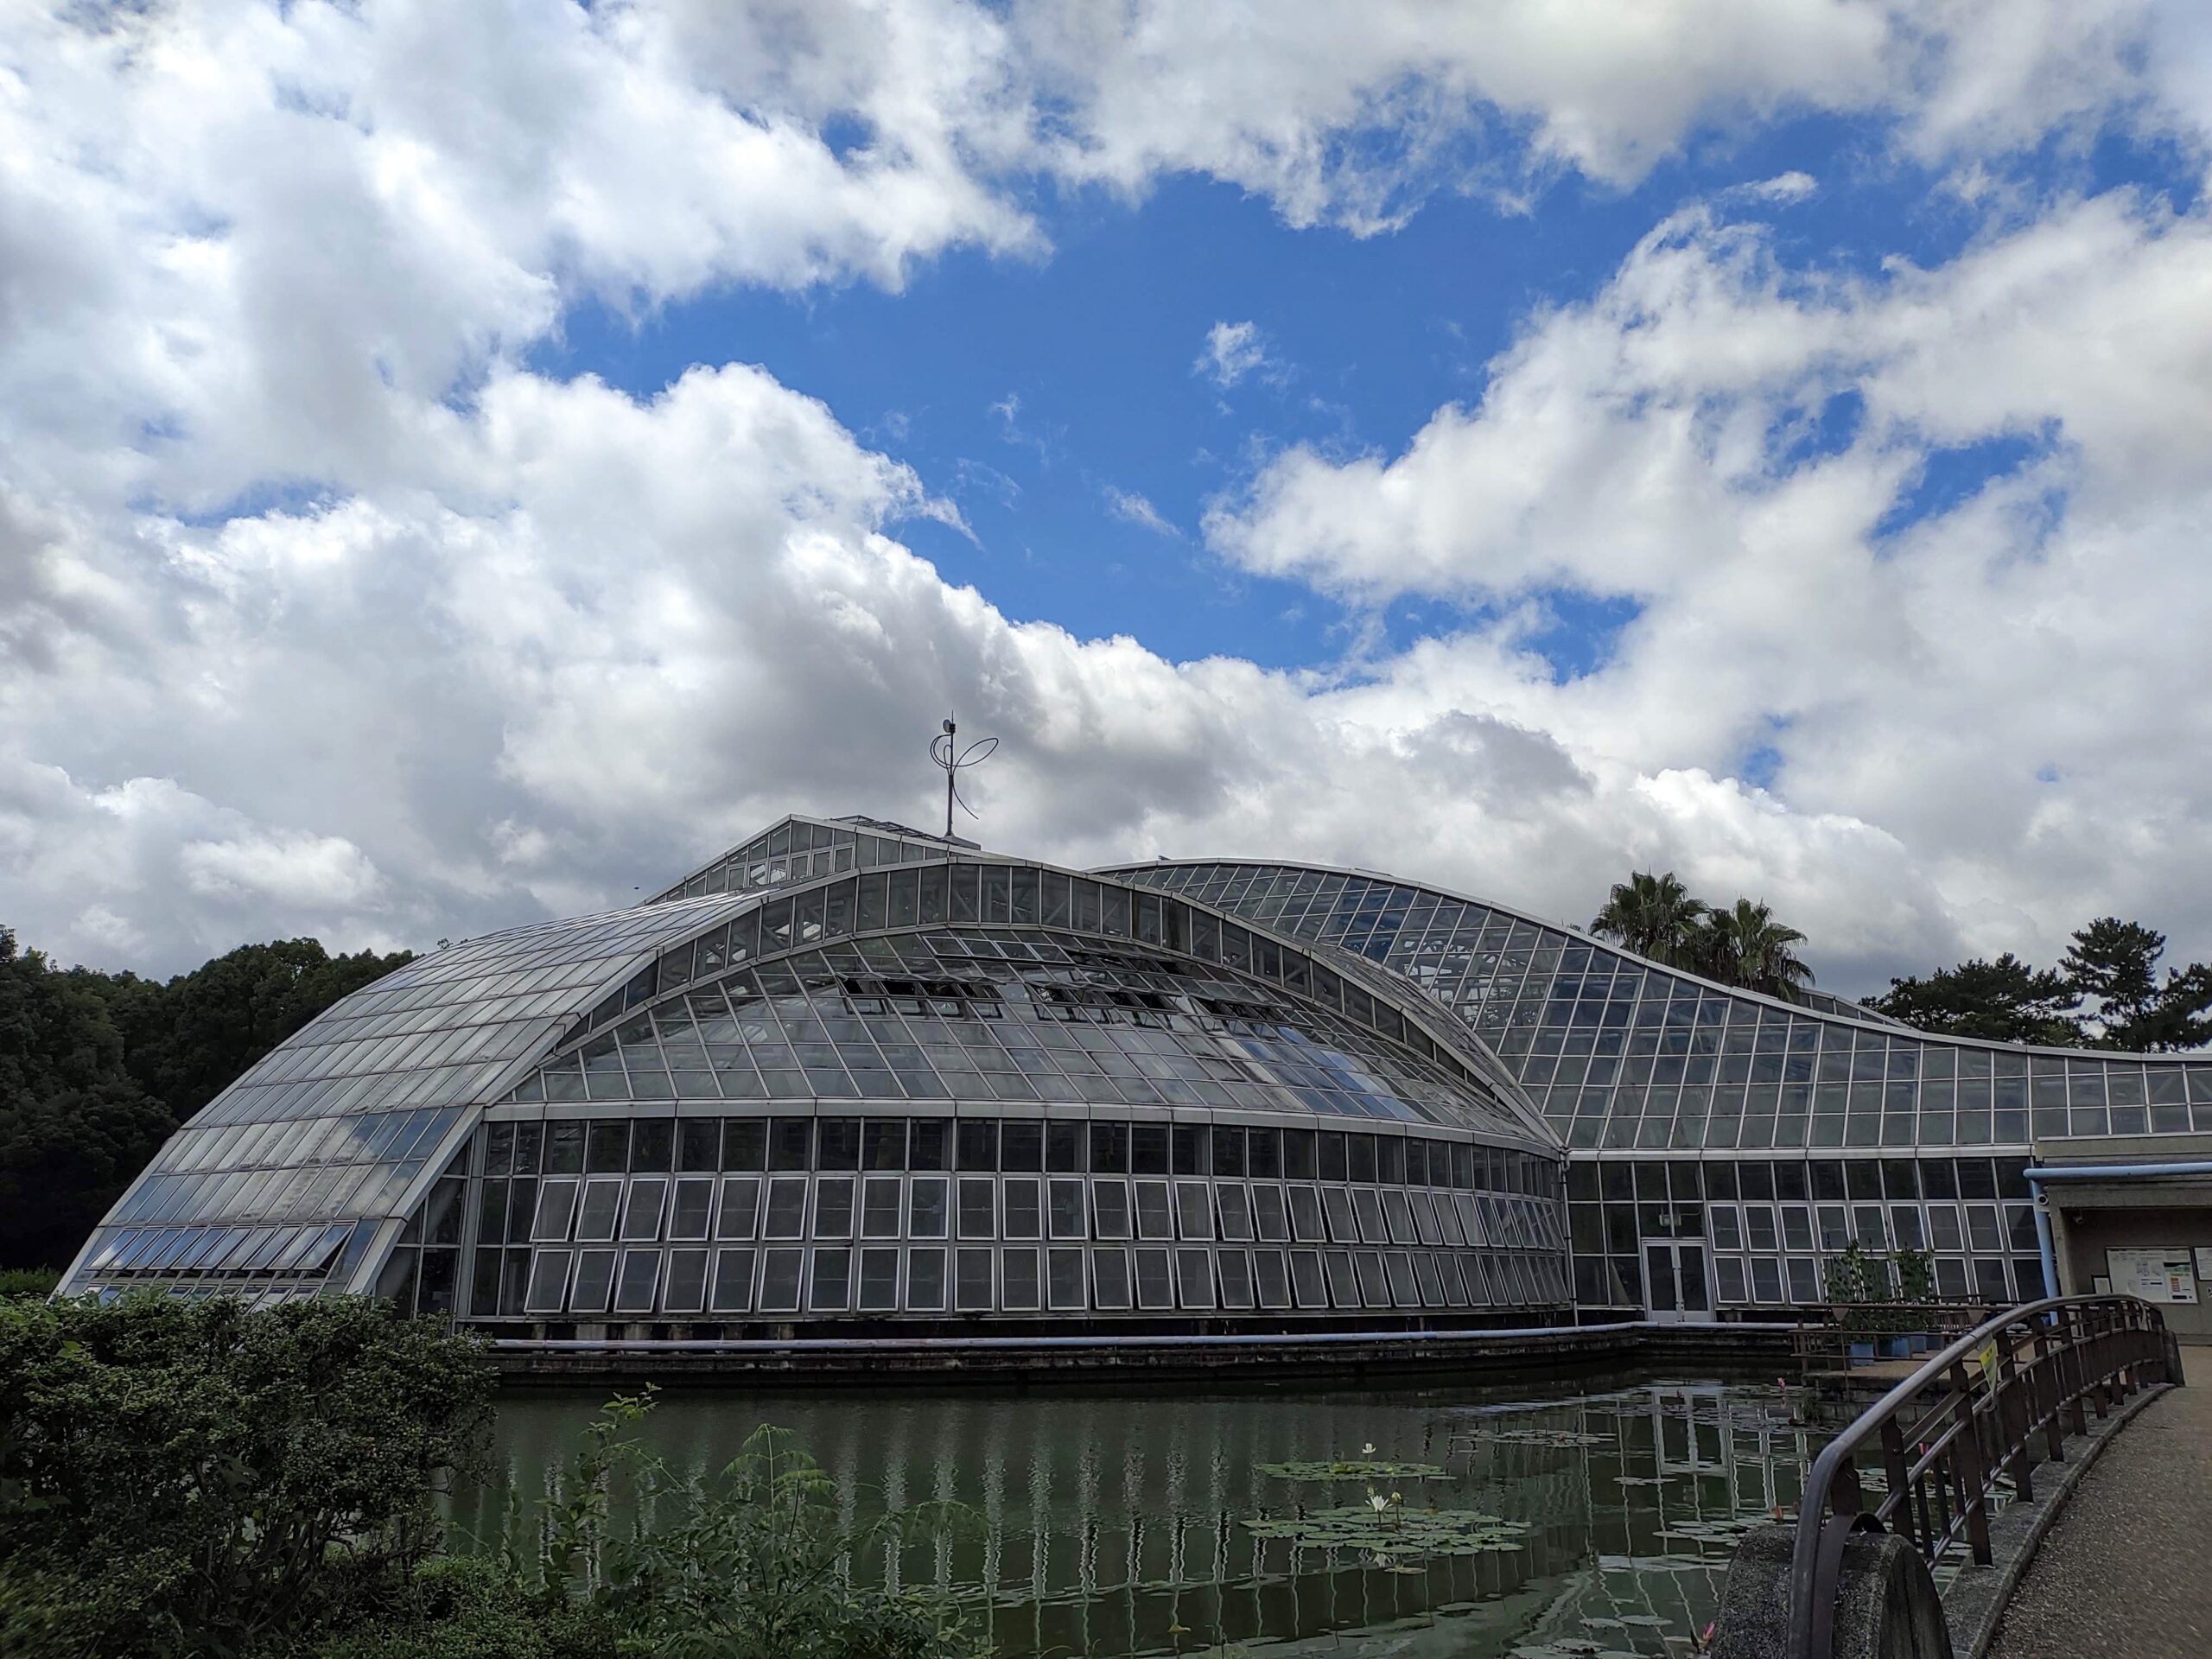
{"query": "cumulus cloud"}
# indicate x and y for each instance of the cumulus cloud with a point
(2003, 686)
(321, 612)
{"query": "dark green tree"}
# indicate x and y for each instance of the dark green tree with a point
(2114, 965)
(75, 1125)
(185, 1041)
(2005, 1000)
(1654, 916)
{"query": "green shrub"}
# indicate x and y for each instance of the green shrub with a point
(754, 1562)
(458, 1607)
(196, 1479)
(29, 1282)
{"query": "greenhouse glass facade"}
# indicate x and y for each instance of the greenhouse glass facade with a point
(1721, 1143)
(852, 1078)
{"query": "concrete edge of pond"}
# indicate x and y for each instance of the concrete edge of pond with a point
(1974, 1603)
(1151, 1358)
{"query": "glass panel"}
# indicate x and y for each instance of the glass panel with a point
(548, 1281)
(640, 1277)
(733, 1281)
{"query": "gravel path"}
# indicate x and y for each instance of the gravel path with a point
(2124, 1570)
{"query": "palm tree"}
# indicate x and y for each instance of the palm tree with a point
(1653, 916)
(1747, 947)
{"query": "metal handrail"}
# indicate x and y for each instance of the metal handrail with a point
(2037, 1362)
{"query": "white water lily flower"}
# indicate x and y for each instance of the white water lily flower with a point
(1367, 1451)
(1380, 1501)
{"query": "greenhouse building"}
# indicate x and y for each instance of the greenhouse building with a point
(852, 1079)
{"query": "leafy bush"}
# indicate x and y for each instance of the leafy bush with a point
(752, 1563)
(196, 1479)
(458, 1607)
(29, 1282)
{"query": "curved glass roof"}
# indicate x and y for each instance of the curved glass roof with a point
(1624, 1054)
(341, 1122)
(1037, 1015)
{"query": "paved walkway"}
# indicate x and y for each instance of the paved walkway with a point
(2124, 1569)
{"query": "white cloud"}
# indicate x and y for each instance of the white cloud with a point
(1233, 351)
(318, 613)
(1641, 448)
(1133, 509)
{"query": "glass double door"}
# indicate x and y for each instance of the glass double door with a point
(1675, 1286)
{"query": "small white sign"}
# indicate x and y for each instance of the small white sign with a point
(2204, 1262)
(2155, 1275)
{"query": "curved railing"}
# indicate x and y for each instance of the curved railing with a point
(2020, 1379)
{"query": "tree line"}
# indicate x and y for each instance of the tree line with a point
(2112, 990)
(96, 1070)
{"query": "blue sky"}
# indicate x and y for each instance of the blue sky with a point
(1762, 441)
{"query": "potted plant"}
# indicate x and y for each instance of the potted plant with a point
(1916, 1277)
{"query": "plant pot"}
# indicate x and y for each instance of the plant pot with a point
(1920, 1342)
(1861, 1350)
(1896, 1347)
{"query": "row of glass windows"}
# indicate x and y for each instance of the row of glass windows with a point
(1821, 1180)
(647, 1283)
(230, 1250)
(798, 851)
(1026, 897)
(2001, 1281)
(1062, 1146)
(944, 1014)
(647, 1208)
(1594, 1031)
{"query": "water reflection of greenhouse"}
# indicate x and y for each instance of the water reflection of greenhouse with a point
(1115, 1526)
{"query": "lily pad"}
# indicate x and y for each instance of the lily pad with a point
(1353, 1469)
(1395, 1532)
(1553, 1437)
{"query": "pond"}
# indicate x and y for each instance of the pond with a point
(1571, 1519)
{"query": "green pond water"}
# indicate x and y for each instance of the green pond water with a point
(1572, 1519)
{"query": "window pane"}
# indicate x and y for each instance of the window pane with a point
(733, 1281)
(640, 1277)
(1109, 1204)
(687, 1281)
(1018, 1280)
(787, 1215)
(779, 1281)
(695, 1196)
(1109, 1271)
(972, 1279)
(1152, 1216)
(548, 1280)
(1194, 1210)
(879, 1279)
(833, 1207)
(1065, 1199)
(596, 1222)
(1154, 1287)
(1063, 1274)
(830, 1285)
(1234, 1267)
(1194, 1278)
(927, 1206)
(557, 1203)
(925, 1279)
(1021, 1200)
(879, 1213)
(595, 1279)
